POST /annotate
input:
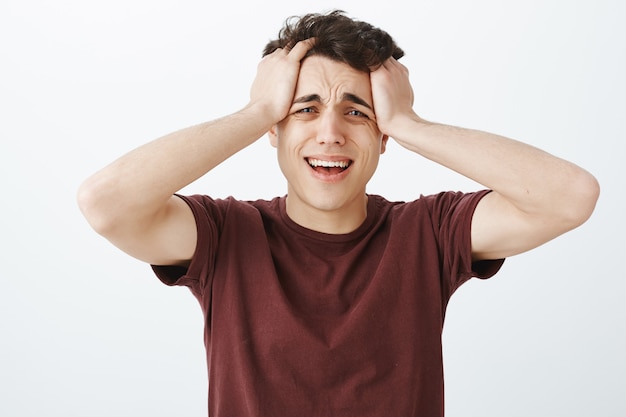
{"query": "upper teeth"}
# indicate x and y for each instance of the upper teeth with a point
(328, 164)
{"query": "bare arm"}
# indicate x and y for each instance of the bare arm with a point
(131, 202)
(536, 196)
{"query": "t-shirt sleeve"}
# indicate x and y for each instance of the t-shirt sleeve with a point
(198, 273)
(453, 213)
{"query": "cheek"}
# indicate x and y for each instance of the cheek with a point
(285, 151)
(376, 144)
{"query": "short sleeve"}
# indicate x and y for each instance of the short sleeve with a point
(452, 213)
(197, 275)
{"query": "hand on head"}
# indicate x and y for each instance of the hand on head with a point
(392, 94)
(276, 79)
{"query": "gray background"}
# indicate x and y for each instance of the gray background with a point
(86, 330)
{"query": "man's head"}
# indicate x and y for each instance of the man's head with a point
(329, 144)
(340, 38)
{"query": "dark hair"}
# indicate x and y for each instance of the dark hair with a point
(338, 37)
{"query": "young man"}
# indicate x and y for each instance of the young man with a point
(330, 301)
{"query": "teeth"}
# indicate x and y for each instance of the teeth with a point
(328, 164)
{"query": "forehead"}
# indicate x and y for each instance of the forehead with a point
(328, 78)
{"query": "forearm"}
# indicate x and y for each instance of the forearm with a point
(134, 193)
(138, 185)
(532, 180)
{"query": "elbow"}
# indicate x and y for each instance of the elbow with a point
(585, 191)
(92, 204)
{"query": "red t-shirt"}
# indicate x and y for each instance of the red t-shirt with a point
(303, 323)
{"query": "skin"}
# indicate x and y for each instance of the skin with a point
(536, 196)
(324, 110)
(130, 202)
(331, 119)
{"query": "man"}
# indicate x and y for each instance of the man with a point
(330, 301)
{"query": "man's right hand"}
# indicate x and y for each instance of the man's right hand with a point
(276, 79)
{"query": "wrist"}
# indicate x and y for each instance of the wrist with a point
(261, 114)
(403, 126)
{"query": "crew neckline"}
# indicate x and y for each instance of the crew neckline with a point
(330, 237)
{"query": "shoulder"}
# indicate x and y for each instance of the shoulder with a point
(438, 204)
(222, 211)
(227, 204)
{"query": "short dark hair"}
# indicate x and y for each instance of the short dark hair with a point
(338, 37)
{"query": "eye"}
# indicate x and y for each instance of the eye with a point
(305, 113)
(358, 113)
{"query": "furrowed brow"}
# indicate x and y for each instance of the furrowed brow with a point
(346, 97)
(356, 99)
(308, 98)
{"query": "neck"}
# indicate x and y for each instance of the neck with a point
(328, 220)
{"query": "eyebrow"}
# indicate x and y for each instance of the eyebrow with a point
(346, 97)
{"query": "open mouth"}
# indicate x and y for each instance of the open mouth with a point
(329, 167)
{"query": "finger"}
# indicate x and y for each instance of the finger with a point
(399, 65)
(391, 62)
(301, 48)
(276, 52)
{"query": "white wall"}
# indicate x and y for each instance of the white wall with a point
(85, 330)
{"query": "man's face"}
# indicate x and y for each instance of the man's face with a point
(329, 145)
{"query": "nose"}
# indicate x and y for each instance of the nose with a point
(330, 129)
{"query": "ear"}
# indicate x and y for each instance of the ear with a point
(272, 134)
(383, 144)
